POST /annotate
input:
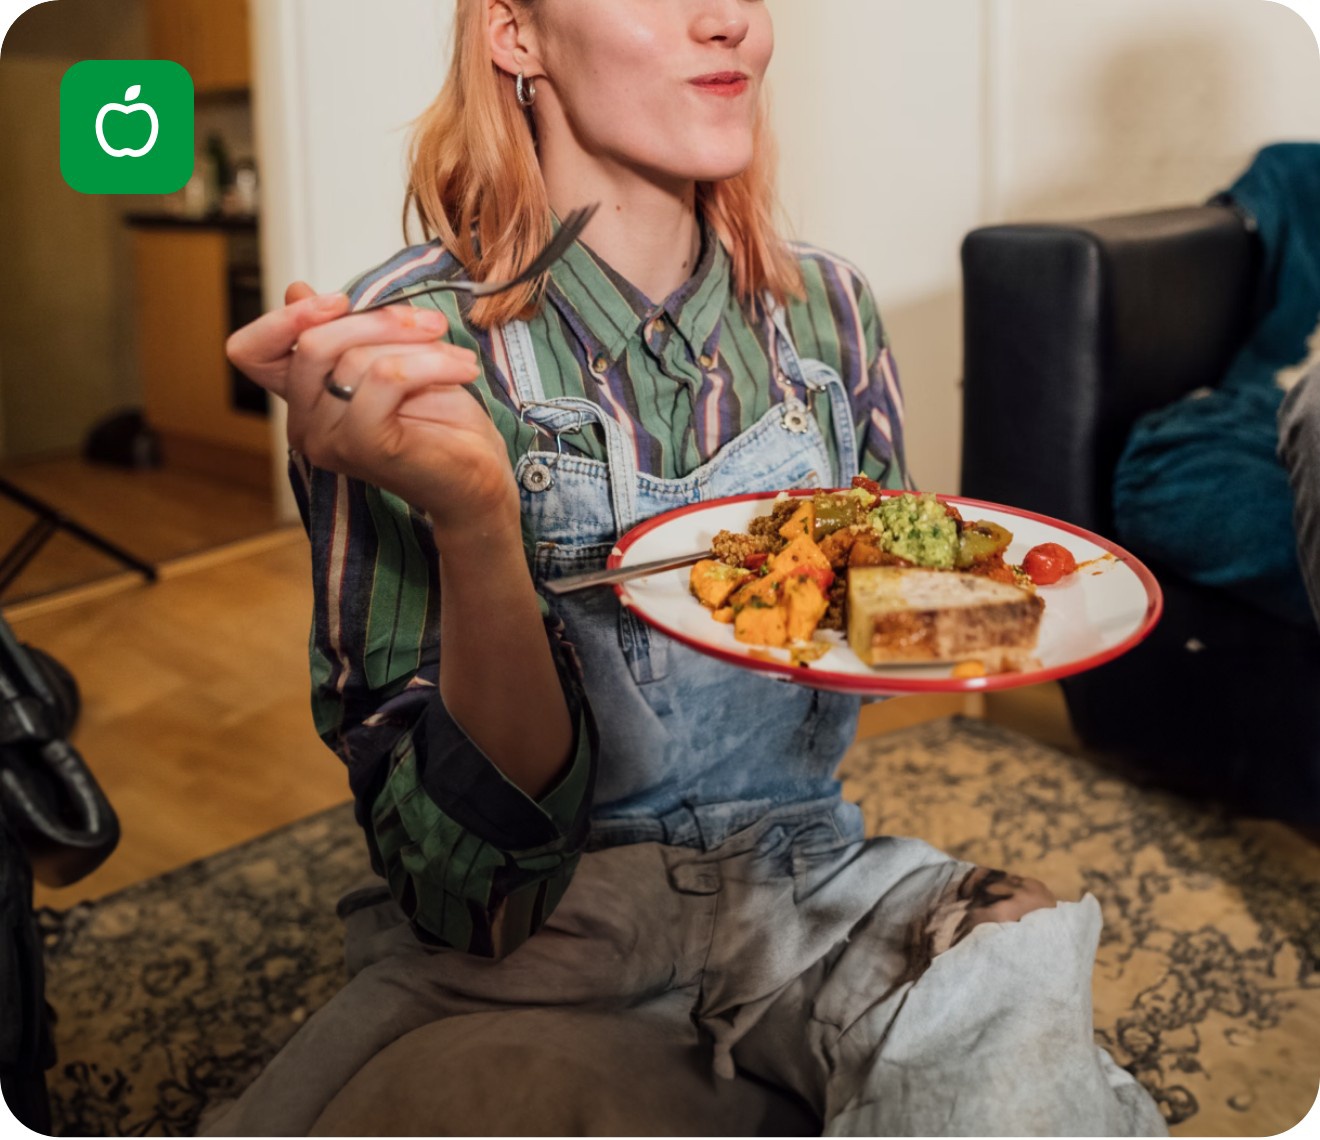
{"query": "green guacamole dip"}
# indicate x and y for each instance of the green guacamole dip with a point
(917, 527)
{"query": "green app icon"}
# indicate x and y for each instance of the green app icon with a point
(126, 126)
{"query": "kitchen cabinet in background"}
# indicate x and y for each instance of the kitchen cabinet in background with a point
(184, 279)
(210, 39)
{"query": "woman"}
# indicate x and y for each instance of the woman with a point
(726, 899)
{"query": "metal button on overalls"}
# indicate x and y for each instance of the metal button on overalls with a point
(796, 420)
(537, 477)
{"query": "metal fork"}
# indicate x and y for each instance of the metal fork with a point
(575, 582)
(570, 230)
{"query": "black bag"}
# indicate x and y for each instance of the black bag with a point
(54, 822)
(48, 797)
(26, 1050)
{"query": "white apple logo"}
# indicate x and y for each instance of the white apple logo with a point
(132, 93)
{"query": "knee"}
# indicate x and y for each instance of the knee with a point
(998, 896)
(982, 896)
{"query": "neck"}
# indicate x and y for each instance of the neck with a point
(647, 233)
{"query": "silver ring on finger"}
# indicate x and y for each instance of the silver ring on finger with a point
(338, 391)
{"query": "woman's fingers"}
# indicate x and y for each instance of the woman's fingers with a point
(382, 378)
(357, 363)
(392, 375)
(320, 349)
(298, 291)
(391, 379)
(260, 350)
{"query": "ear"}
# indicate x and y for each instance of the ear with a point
(513, 46)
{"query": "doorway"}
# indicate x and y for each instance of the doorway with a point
(118, 411)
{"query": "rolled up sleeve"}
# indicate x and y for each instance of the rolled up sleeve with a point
(475, 862)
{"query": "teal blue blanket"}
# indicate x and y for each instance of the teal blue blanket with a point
(1199, 488)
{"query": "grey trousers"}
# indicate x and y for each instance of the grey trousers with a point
(1299, 450)
(790, 957)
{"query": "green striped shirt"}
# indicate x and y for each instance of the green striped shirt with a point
(474, 862)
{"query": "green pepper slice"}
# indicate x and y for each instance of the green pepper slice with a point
(980, 540)
(834, 512)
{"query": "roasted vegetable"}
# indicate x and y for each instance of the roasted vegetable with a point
(786, 602)
(713, 582)
(758, 618)
(762, 625)
(757, 593)
(837, 546)
(979, 541)
(835, 511)
(806, 604)
(801, 553)
(801, 522)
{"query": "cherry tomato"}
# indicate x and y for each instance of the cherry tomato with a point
(754, 561)
(1047, 563)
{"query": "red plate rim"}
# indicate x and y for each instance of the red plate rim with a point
(854, 683)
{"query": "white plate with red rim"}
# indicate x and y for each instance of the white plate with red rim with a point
(1091, 617)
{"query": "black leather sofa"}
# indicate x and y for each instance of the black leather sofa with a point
(1072, 331)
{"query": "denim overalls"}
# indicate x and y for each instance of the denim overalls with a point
(728, 907)
(691, 749)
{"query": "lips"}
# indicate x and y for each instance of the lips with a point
(727, 83)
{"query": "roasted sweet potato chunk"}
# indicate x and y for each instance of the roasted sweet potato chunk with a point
(806, 605)
(762, 625)
(801, 522)
(713, 582)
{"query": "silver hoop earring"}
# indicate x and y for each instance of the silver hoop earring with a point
(525, 89)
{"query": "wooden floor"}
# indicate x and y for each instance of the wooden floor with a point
(158, 515)
(196, 713)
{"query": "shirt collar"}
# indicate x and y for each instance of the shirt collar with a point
(606, 311)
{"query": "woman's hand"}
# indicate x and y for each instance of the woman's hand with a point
(410, 427)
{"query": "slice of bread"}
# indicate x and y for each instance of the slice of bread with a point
(903, 614)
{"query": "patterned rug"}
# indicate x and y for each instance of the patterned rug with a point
(172, 994)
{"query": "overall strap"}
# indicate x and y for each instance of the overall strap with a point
(569, 414)
(521, 355)
(821, 378)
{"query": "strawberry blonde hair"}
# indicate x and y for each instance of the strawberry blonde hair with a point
(476, 185)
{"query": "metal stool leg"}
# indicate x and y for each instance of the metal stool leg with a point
(49, 520)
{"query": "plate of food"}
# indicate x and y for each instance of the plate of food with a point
(883, 592)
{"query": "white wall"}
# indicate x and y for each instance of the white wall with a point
(903, 124)
(1133, 104)
(339, 82)
(336, 85)
(878, 109)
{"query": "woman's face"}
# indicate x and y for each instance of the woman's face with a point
(667, 87)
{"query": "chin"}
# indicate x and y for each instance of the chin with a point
(720, 164)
